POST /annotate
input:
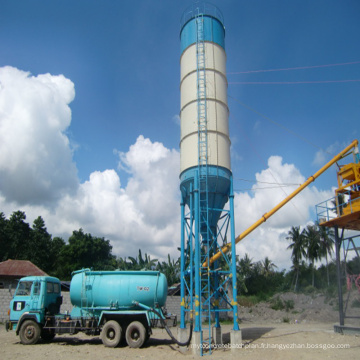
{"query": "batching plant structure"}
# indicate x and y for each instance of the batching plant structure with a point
(207, 210)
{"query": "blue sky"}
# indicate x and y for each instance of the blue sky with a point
(123, 59)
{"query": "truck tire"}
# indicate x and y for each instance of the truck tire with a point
(135, 334)
(29, 332)
(111, 334)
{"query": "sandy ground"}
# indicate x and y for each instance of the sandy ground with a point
(260, 341)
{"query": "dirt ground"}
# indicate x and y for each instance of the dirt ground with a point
(270, 341)
(305, 331)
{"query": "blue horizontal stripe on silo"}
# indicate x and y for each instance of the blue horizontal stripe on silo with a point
(218, 188)
(213, 31)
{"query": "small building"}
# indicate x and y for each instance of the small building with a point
(11, 271)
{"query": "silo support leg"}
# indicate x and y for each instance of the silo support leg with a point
(235, 340)
(182, 337)
(217, 335)
(196, 343)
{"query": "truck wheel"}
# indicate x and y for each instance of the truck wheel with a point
(111, 334)
(47, 334)
(135, 334)
(29, 332)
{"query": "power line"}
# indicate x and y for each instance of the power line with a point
(294, 68)
(265, 182)
(291, 82)
(261, 159)
(264, 188)
(277, 124)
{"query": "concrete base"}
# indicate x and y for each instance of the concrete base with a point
(196, 343)
(235, 340)
(217, 335)
(182, 336)
(348, 330)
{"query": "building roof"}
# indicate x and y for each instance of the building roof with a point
(174, 289)
(19, 268)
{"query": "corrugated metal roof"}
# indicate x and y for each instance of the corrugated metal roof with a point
(20, 268)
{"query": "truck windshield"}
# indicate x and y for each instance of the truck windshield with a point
(24, 288)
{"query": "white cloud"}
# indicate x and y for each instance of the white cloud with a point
(269, 239)
(176, 119)
(322, 156)
(37, 172)
(145, 214)
(35, 157)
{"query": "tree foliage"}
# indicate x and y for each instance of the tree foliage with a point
(20, 241)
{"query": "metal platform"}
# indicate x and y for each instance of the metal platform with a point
(342, 212)
(348, 222)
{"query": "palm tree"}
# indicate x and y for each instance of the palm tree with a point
(246, 265)
(326, 245)
(339, 203)
(312, 237)
(298, 247)
(139, 263)
(147, 263)
(171, 269)
(243, 272)
(268, 267)
(122, 264)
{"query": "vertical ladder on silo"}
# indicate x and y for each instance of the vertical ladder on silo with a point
(203, 171)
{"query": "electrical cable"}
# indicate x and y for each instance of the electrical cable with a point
(277, 124)
(272, 175)
(291, 82)
(293, 68)
(264, 188)
(266, 182)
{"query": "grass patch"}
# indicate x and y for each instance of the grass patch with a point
(248, 301)
(278, 304)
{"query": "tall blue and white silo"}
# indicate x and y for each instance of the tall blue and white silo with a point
(205, 174)
(204, 113)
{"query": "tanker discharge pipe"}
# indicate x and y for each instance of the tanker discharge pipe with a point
(161, 317)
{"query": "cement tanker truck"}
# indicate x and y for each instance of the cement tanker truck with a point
(116, 305)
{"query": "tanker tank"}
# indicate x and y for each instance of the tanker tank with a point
(117, 289)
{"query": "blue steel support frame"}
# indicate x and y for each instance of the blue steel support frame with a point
(233, 257)
(192, 268)
(182, 267)
(197, 262)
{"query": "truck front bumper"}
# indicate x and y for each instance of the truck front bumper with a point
(8, 325)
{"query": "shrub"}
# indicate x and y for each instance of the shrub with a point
(289, 304)
(309, 290)
(277, 304)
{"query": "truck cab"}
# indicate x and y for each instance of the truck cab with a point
(35, 297)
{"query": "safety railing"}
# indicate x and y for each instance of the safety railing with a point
(336, 207)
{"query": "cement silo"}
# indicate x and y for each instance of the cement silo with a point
(204, 113)
(205, 174)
